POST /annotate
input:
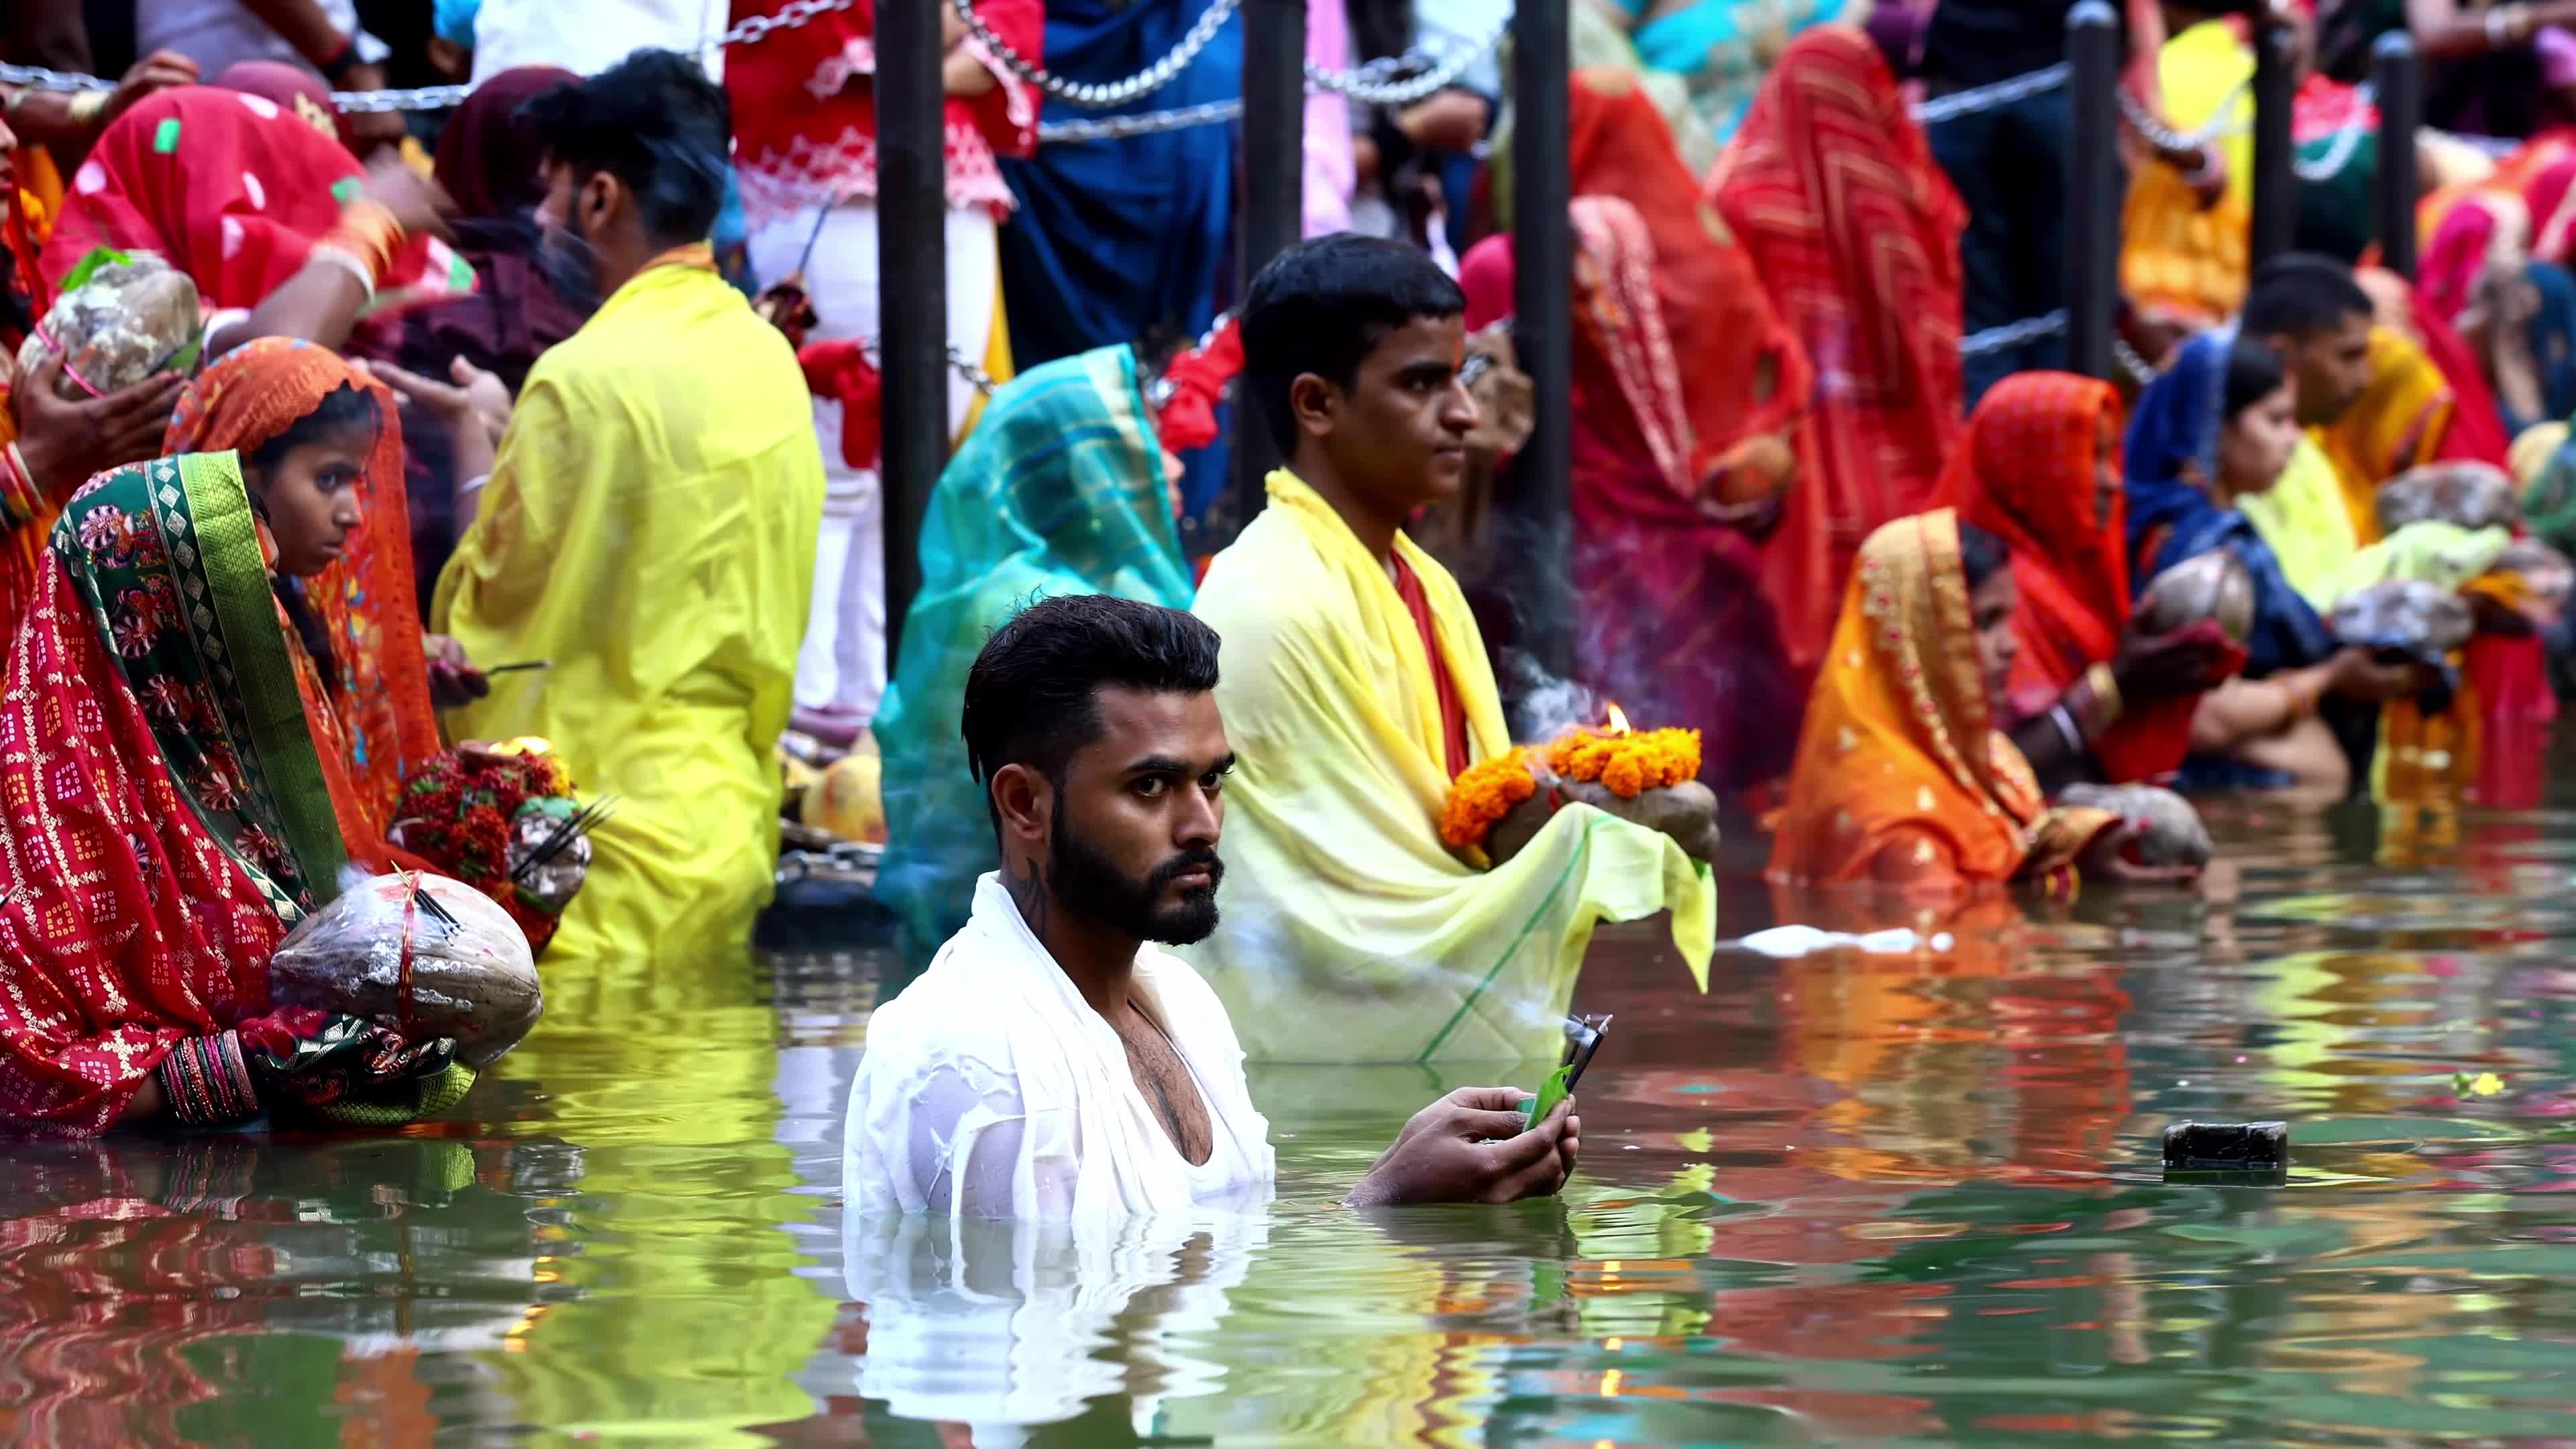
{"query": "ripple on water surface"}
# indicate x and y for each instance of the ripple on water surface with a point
(1889, 1199)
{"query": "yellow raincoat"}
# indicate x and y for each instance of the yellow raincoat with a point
(649, 528)
(1350, 932)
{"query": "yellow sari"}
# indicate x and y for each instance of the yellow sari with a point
(1350, 933)
(649, 531)
(2181, 261)
(1902, 778)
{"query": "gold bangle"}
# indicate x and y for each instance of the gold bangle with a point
(2106, 691)
(85, 107)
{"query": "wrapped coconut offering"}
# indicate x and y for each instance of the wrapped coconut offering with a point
(2174, 834)
(2544, 576)
(2404, 618)
(2213, 585)
(120, 319)
(425, 955)
(2472, 495)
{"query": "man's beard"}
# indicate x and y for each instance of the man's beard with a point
(1085, 881)
(570, 265)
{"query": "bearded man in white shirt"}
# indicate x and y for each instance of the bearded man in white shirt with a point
(1050, 1063)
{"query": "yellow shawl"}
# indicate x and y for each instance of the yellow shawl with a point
(1350, 932)
(2396, 423)
(649, 529)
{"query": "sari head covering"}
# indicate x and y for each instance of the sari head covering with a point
(298, 92)
(1853, 231)
(1900, 757)
(1675, 625)
(2026, 474)
(1059, 490)
(234, 190)
(369, 702)
(166, 813)
(2398, 421)
(2171, 461)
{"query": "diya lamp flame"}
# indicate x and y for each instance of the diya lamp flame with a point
(1618, 720)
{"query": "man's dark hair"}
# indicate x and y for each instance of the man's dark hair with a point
(1322, 306)
(655, 122)
(1032, 695)
(1980, 553)
(2301, 294)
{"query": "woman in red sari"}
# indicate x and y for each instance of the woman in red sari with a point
(1686, 391)
(2040, 470)
(362, 662)
(166, 816)
(1853, 231)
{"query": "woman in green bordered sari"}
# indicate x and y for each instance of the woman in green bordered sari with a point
(165, 819)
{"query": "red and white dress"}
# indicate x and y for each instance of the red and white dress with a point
(805, 150)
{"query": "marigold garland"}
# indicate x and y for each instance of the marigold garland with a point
(1485, 794)
(1626, 765)
(457, 816)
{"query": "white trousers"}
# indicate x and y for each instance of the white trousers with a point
(843, 665)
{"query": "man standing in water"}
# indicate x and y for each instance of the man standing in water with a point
(645, 543)
(1050, 1063)
(1358, 688)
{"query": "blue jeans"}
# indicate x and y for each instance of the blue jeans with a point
(2009, 164)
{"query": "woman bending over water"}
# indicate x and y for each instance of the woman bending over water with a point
(202, 718)
(1902, 779)
(2217, 427)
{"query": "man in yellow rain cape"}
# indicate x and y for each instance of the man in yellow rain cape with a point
(1356, 687)
(647, 536)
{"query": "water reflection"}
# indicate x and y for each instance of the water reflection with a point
(1901, 1198)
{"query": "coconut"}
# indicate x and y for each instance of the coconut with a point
(470, 976)
(1687, 812)
(2472, 495)
(128, 320)
(2404, 617)
(2212, 585)
(2174, 834)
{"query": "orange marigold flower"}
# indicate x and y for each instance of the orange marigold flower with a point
(1626, 765)
(1485, 794)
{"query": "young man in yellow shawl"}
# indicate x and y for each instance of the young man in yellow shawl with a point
(2323, 526)
(645, 541)
(1356, 688)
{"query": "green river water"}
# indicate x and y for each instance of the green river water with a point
(1887, 1200)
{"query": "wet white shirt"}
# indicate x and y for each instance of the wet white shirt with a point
(991, 1089)
(588, 36)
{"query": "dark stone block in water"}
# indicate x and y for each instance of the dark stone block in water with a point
(2246, 1145)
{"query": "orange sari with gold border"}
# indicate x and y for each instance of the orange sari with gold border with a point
(1902, 778)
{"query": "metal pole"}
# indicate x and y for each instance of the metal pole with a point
(2276, 195)
(1274, 196)
(1539, 495)
(2397, 72)
(912, 286)
(2092, 187)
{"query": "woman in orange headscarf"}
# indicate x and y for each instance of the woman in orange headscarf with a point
(2040, 470)
(362, 664)
(1902, 779)
(1853, 231)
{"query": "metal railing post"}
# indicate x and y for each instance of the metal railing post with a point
(2397, 72)
(912, 287)
(2276, 194)
(1539, 495)
(1274, 197)
(2092, 187)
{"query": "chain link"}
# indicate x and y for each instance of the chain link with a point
(2138, 368)
(1373, 84)
(2013, 334)
(1114, 93)
(1119, 128)
(2001, 93)
(2222, 122)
